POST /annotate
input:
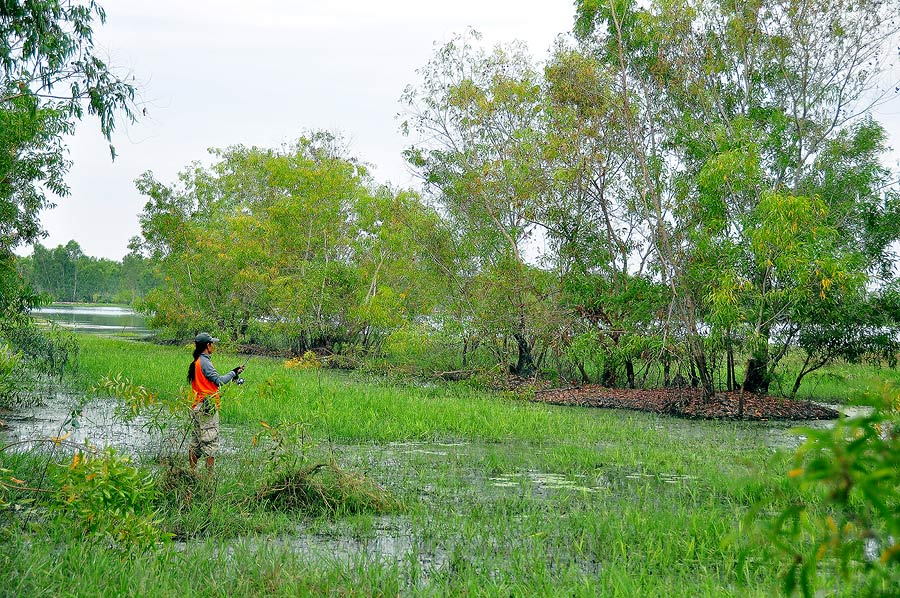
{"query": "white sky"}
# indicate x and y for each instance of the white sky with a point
(220, 73)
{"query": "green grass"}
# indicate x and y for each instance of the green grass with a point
(651, 505)
(839, 382)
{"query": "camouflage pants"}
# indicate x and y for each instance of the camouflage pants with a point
(205, 432)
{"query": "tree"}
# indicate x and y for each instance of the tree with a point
(293, 246)
(734, 112)
(64, 273)
(51, 74)
(599, 241)
(476, 115)
(137, 277)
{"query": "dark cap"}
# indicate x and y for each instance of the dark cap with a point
(204, 337)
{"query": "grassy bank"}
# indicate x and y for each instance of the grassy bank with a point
(493, 496)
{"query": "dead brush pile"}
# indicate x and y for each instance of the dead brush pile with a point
(325, 489)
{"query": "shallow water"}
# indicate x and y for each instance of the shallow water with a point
(542, 481)
(447, 477)
(784, 435)
(95, 319)
(390, 541)
(97, 423)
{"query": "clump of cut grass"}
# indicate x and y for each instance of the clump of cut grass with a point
(325, 489)
(177, 479)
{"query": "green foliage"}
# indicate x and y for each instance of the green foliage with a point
(157, 408)
(64, 273)
(420, 346)
(308, 251)
(109, 498)
(11, 383)
(854, 468)
(768, 201)
(325, 489)
(294, 482)
(476, 115)
(49, 350)
(50, 74)
(647, 507)
(33, 158)
(31, 354)
(662, 497)
(47, 51)
(695, 190)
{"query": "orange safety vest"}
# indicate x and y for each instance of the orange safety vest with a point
(203, 386)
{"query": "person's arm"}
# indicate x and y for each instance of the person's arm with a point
(212, 375)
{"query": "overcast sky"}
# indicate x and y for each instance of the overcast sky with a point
(219, 73)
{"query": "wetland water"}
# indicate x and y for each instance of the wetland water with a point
(97, 421)
(95, 319)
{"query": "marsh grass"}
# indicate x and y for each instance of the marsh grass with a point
(325, 489)
(489, 496)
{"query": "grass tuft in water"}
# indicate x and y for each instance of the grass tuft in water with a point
(325, 489)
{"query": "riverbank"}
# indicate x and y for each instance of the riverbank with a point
(689, 403)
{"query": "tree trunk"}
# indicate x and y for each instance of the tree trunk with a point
(629, 371)
(797, 382)
(608, 377)
(729, 366)
(584, 376)
(803, 372)
(695, 381)
(667, 368)
(698, 354)
(756, 379)
(525, 364)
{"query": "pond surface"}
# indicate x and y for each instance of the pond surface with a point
(95, 319)
(97, 422)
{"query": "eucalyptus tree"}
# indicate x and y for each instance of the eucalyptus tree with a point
(738, 106)
(137, 275)
(55, 271)
(589, 210)
(476, 118)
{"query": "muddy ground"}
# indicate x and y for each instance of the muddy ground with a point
(688, 402)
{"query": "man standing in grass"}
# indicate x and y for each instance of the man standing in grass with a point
(205, 381)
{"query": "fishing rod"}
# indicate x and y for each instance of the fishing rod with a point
(240, 381)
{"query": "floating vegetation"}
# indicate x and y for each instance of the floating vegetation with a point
(544, 480)
(668, 478)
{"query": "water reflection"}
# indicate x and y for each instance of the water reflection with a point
(97, 423)
(95, 319)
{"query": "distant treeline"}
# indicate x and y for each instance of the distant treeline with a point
(65, 273)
